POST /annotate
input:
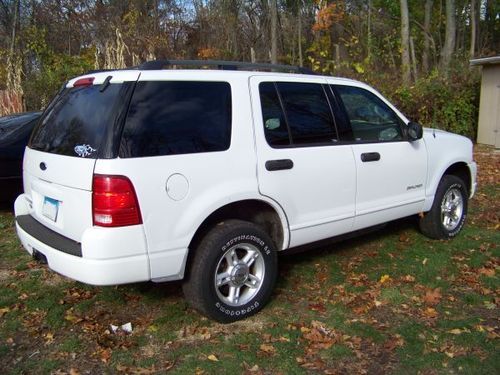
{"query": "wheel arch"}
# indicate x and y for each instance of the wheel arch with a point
(269, 216)
(459, 169)
(462, 171)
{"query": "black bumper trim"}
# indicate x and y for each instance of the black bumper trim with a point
(48, 236)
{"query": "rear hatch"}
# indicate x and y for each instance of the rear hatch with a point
(81, 124)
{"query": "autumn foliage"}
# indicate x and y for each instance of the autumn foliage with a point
(327, 15)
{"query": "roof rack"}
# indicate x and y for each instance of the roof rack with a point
(223, 65)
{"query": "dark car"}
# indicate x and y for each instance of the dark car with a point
(15, 131)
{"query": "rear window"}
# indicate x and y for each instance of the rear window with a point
(177, 117)
(78, 120)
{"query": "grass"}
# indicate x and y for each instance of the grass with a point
(330, 310)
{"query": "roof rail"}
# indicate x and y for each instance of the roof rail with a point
(223, 65)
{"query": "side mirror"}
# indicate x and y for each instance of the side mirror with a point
(414, 131)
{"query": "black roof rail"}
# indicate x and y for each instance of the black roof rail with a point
(223, 65)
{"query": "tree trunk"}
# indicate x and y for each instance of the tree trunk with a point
(427, 31)
(274, 32)
(450, 36)
(299, 21)
(369, 32)
(413, 60)
(405, 43)
(473, 28)
(14, 28)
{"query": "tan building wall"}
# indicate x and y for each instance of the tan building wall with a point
(489, 108)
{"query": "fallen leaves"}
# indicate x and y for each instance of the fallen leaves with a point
(430, 312)
(154, 369)
(213, 358)
(408, 279)
(3, 311)
(267, 348)
(432, 297)
(384, 279)
(489, 272)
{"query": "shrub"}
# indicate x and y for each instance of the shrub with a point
(448, 104)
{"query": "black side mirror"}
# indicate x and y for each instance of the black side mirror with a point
(414, 131)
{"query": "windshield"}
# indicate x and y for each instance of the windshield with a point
(77, 121)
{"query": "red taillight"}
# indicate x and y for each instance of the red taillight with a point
(114, 202)
(84, 82)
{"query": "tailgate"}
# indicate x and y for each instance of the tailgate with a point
(60, 190)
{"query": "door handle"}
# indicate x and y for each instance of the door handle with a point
(370, 156)
(278, 165)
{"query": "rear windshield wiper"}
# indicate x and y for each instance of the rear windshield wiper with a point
(105, 84)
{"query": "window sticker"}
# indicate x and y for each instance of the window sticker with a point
(84, 150)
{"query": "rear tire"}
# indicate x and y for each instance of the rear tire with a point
(233, 272)
(449, 210)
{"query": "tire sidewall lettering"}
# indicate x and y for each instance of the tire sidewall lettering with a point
(265, 249)
(247, 237)
(231, 311)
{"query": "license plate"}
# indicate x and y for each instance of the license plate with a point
(50, 208)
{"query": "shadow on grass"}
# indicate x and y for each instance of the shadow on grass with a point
(346, 245)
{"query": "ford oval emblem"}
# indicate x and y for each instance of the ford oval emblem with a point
(43, 166)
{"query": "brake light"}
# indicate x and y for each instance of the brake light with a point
(114, 202)
(84, 82)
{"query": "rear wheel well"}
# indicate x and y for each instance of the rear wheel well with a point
(461, 170)
(252, 210)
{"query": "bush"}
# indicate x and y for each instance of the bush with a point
(450, 105)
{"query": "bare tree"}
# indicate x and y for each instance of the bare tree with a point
(405, 42)
(473, 28)
(426, 33)
(274, 31)
(450, 36)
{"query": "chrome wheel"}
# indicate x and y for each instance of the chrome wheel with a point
(239, 274)
(452, 209)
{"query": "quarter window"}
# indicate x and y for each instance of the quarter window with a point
(370, 118)
(177, 117)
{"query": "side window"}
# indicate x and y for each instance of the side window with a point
(275, 127)
(370, 118)
(308, 113)
(177, 117)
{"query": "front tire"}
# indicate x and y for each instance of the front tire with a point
(233, 272)
(449, 210)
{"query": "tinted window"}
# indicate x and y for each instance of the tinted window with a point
(77, 121)
(370, 118)
(275, 127)
(342, 122)
(308, 112)
(167, 118)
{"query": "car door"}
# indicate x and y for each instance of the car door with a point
(390, 170)
(301, 164)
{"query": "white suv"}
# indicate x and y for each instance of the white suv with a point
(205, 175)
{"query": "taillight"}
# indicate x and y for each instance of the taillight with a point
(114, 202)
(84, 82)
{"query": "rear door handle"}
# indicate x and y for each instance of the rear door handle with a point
(278, 165)
(370, 156)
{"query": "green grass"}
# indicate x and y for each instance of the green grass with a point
(376, 327)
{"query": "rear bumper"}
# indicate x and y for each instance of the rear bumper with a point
(107, 256)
